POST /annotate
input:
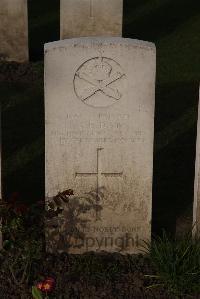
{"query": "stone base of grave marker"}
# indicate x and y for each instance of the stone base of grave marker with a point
(196, 206)
(99, 107)
(13, 30)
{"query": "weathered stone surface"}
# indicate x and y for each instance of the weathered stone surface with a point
(13, 30)
(196, 207)
(0, 182)
(80, 18)
(99, 106)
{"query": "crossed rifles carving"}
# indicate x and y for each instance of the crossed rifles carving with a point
(101, 85)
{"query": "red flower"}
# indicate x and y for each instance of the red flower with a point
(39, 285)
(47, 285)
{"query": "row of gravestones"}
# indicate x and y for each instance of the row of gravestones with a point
(77, 18)
(99, 116)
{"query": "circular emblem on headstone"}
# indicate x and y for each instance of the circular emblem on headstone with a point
(99, 82)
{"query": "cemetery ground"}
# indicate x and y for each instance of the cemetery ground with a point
(177, 39)
(166, 268)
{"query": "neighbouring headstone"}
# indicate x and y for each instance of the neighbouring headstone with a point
(196, 206)
(99, 113)
(0, 183)
(13, 30)
(79, 18)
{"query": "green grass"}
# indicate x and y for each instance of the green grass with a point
(177, 263)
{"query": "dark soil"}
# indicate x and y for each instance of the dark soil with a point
(91, 276)
(17, 72)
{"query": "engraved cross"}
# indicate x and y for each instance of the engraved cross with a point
(99, 173)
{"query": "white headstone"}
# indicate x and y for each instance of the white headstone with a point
(13, 30)
(196, 206)
(80, 18)
(0, 182)
(99, 110)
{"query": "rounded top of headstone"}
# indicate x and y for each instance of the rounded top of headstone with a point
(100, 41)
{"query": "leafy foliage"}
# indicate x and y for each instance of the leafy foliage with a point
(64, 218)
(37, 294)
(22, 230)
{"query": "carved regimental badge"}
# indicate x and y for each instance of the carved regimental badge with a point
(99, 82)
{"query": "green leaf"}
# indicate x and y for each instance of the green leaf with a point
(36, 293)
